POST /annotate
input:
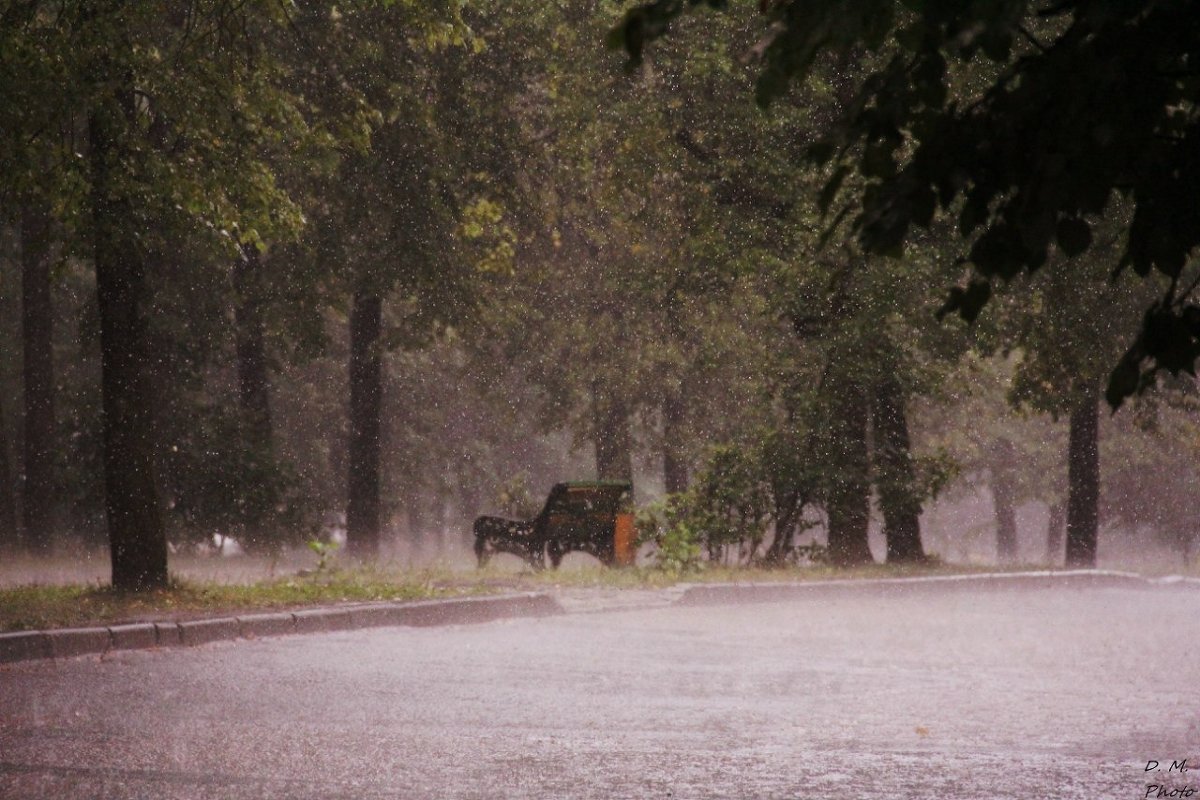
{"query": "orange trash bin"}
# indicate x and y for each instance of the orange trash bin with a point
(624, 540)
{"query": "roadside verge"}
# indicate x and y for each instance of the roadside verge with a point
(69, 642)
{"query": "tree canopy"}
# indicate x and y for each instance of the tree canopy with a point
(263, 263)
(1026, 125)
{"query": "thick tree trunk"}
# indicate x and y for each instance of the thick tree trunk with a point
(254, 381)
(366, 393)
(849, 503)
(37, 498)
(1083, 477)
(254, 391)
(675, 474)
(614, 450)
(135, 529)
(8, 500)
(787, 512)
(1056, 530)
(895, 478)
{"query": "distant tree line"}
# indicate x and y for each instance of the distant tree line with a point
(263, 260)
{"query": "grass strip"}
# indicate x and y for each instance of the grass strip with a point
(45, 607)
(41, 607)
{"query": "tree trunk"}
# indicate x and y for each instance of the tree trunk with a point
(614, 451)
(366, 393)
(254, 393)
(1004, 500)
(8, 500)
(37, 499)
(674, 409)
(895, 478)
(1004, 508)
(441, 522)
(470, 506)
(788, 508)
(849, 502)
(254, 382)
(675, 477)
(415, 517)
(1083, 477)
(135, 529)
(1056, 530)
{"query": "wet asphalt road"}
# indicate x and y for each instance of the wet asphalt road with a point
(972, 694)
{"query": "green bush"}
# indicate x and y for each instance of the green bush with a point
(677, 546)
(737, 496)
(730, 502)
(215, 478)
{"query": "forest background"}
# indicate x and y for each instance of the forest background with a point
(264, 262)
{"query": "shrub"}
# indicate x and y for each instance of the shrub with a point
(677, 546)
(740, 494)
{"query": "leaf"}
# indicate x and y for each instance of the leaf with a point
(923, 203)
(996, 43)
(878, 160)
(995, 253)
(1123, 382)
(819, 152)
(1074, 236)
(974, 213)
(616, 37)
(912, 37)
(772, 83)
(929, 79)
(1168, 341)
(968, 302)
(1191, 318)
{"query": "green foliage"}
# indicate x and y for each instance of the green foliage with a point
(739, 495)
(570, 256)
(976, 437)
(325, 552)
(216, 478)
(677, 547)
(730, 501)
(1020, 123)
(237, 127)
(483, 225)
(932, 474)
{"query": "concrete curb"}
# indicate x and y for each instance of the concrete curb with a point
(70, 642)
(134, 637)
(704, 594)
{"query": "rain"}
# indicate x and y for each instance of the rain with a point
(624, 399)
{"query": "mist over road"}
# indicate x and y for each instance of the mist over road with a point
(974, 694)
